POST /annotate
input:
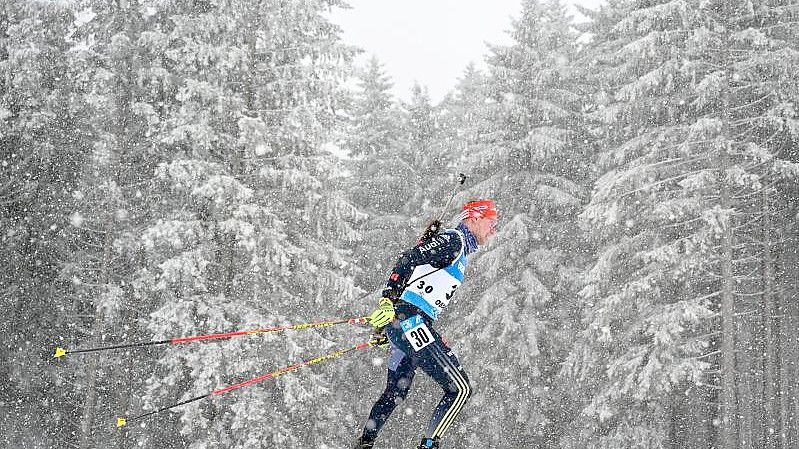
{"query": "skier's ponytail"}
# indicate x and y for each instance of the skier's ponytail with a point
(431, 231)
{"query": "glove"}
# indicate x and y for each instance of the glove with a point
(381, 341)
(383, 315)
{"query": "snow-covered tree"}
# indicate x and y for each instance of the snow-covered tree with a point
(43, 145)
(252, 230)
(377, 183)
(531, 162)
(683, 96)
(463, 116)
(374, 115)
(427, 163)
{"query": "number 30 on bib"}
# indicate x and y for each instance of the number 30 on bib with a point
(416, 332)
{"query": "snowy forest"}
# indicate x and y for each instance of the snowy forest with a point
(172, 168)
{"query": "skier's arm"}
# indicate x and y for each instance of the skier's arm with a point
(438, 252)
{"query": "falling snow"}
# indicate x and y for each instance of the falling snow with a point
(176, 169)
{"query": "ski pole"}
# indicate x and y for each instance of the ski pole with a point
(461, 180)
(433, 228)
(122, 421)
(60, 352)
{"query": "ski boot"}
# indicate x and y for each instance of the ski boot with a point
(363, 444)
(428, 443)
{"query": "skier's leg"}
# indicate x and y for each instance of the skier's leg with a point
(440, 363)
(400, 376)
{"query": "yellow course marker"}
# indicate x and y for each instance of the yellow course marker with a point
(121, 421)
(60, 352)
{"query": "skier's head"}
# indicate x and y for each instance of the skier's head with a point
(481, 218)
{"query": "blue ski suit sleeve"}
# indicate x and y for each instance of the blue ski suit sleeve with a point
(439, 252)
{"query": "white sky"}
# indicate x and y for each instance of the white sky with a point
(429, 41)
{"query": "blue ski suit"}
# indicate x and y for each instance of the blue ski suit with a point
(433, 264)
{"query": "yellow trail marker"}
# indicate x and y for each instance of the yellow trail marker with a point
(121, 422)
(60, 352)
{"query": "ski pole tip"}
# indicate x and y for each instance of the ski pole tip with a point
(60, 352)
(121, 421)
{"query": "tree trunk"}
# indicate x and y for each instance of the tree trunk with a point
(728, 429)
(789, 361)
(770, 398)
(746, 367)
(788, 337)
(97, 329)
(90, 402)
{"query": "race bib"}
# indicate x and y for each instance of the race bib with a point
(416, 332)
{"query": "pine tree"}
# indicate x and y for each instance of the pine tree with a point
(111, 44)
(463, 115)
(378, 170)
(529, 160)
(42, 146)
(252, 230)
(427, 164)
(374, 115)
(672, 213)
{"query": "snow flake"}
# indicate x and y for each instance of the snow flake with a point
(76, 219)
(261, 150)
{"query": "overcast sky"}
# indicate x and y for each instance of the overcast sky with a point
(429, 41)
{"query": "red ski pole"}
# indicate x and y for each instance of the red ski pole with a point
(61, 352)
(122, 421)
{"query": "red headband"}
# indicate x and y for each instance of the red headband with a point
(479, 209)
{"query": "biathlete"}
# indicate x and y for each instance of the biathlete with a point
(419, 289)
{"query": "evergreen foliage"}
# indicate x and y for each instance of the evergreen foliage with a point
(530, 161)
(165, 171)
(378, 172)
(673, 213)
(43, 146)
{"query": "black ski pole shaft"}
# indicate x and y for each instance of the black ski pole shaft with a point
(60, 352)
(434, 227)
(461, 181)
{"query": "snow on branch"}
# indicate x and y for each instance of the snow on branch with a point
(644, 19)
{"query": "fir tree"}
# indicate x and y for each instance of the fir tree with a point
(463, 115)
(112, 41)
(374, 115)
(377, 181)
(531, 163)
(427, 164)
(43, 144)
(670, 213)
(252, 231)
